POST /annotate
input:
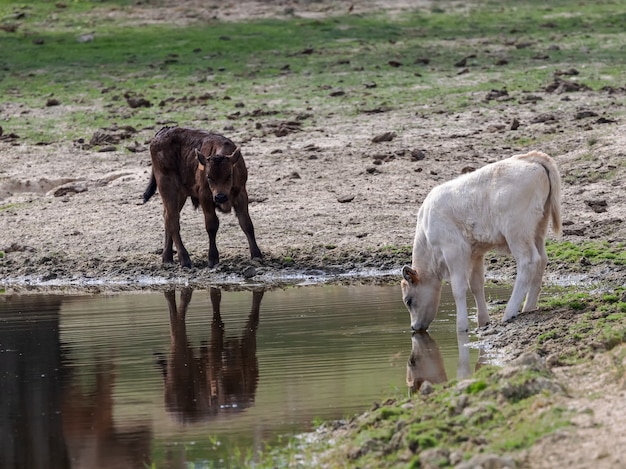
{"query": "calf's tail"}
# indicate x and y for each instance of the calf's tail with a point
(151, 189)
(554, 201)
(555, 197)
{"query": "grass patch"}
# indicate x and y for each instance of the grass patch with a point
(201, 73)
(486, 415)
(593, 252)
(596, 322)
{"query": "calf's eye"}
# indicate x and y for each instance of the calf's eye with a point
(407, 302)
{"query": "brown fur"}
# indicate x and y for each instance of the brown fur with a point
(210, 169)
(218, 377)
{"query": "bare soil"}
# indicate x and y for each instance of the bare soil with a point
(327, 202)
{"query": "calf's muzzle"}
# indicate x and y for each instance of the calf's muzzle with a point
(220, 198)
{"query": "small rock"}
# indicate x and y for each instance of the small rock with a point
(461, 63)
(136, 102)
(515, 124)
(597, 205)
(87, 37)
(574, 231)
(604, 120)
(495, 94)
(530, 98)
(417, 155)
(584, 114)
(75, 187)
(249, 272)
(571, 72)
(345, 199)
(434, 457)
(543, 118)
(495, 128)
(107, 148)
(385, 137)
(563, 86)
(490, 461)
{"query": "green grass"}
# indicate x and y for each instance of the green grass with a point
(599, 323)
(201, 72)
(593, 252)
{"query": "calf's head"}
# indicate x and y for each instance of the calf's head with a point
(219, 173)
(420, 295)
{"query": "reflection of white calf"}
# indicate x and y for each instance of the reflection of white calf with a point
(506, 205)
(425, 362)
(463, 370)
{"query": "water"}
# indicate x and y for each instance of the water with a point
(203, 377)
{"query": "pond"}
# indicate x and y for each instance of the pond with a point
(202, 378)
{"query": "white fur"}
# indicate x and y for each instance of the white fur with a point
(505, 205)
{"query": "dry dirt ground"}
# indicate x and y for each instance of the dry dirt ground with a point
(326, 201)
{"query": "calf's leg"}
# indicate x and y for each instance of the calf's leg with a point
(477, 286)
(459, 264)
(241, 210)
(459, 292)
(463, 369)
(171, 213)
(535, 285)
(528, 264)
(168, 248)
(212, 224)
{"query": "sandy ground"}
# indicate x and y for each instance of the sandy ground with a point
(326, 201)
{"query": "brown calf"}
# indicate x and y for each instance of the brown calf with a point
(210, 169)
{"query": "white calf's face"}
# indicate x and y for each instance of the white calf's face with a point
(421, 297)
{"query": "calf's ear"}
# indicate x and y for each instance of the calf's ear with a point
(201, 158)
(410, 275)
(235, 155)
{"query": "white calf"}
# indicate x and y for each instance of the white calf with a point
(505, 205)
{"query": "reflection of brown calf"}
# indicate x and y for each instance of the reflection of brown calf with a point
(93, 441)
(215, 378)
